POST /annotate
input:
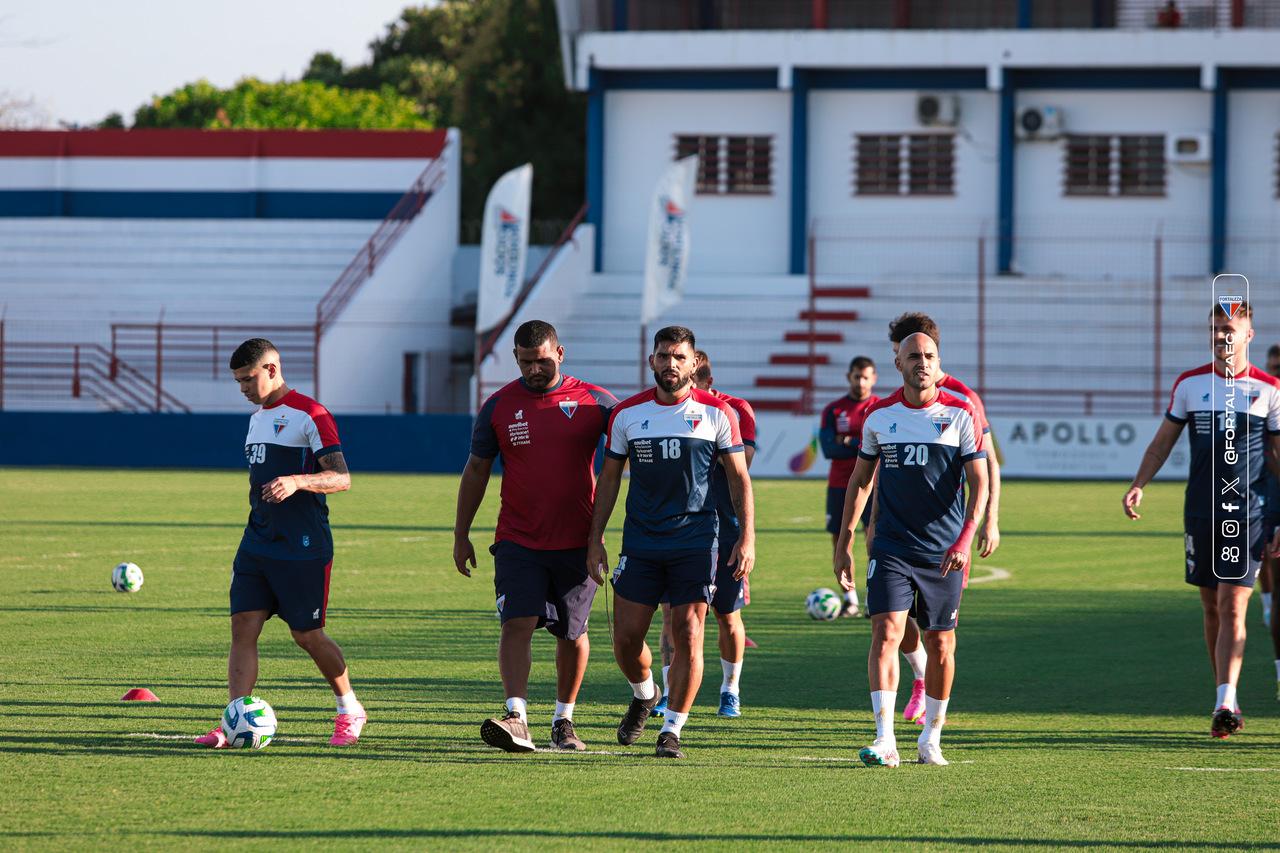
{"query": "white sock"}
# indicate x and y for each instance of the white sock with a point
(642, 689)
(918, 659)
(564, 711)
(731, 673)
(515, 703)
(1226, 697)
(852, 597)
(882, 706)
(1278, 670)
(673, 722)
(935, 714)
(349, 704)
(666, 682)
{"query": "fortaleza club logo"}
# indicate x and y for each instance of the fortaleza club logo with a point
(693, 419)
(569, 407)
(671, 240)
(279, 424)
(506, 255)
(941, 422)
(1230, 305)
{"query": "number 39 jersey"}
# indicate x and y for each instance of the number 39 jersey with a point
(673, 450)
(287, 438)
(1242, 409)
(922, 452)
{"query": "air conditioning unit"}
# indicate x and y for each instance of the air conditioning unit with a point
(934, 109)
(1192, 147)
(1038, 122)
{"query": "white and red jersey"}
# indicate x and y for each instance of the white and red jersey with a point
(1216, 408)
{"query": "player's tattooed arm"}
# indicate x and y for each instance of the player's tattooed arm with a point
(1152, 460)
(332, 477)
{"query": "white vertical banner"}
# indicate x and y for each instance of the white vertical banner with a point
(504, 246)
(667, 255)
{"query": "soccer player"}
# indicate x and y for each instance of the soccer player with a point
(673, 436)
(927, 443)
(988, 534)
(546, 427)
(839, 434)
(1269, 577)
(1226, 488)
(731, 593)
(286, 552)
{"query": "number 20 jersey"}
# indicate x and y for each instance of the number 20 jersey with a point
(1200, 400)
(287, 438)
(922, 452)
(673, 449)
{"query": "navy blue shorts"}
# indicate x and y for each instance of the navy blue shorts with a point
(552, 585)
(898, 583)
(835, 510)
(677, 577)
(298, 590)
(1211, 560)
(730, 594)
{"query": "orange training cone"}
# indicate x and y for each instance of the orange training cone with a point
(139, 694)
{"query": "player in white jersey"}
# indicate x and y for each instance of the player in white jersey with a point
(927, 442)
(1233, 411)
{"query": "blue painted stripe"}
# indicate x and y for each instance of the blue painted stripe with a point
(124, 204)
(1104, 78)
(799, 169)
(897, 78)
(764, 78)
(1218, 180)
(595, 161)
(1004, 189)
(1250, 78)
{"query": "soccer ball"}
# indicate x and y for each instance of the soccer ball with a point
(249, 722)
(823, 604)
(126, 577)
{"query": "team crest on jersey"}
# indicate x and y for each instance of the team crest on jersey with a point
(569, 407)
(1230, 305)
(279, 424)
(941, 422)
(693, 419)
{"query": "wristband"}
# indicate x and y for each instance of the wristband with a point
(965, 542)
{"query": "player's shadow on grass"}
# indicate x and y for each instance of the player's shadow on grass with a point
(533, 836)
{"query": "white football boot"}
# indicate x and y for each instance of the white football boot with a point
(883, 752)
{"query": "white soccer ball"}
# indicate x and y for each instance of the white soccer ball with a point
(823, 604)
(249, 723)
(126, 577)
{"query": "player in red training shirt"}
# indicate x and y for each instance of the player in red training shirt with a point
(546, 427)
(840, 434)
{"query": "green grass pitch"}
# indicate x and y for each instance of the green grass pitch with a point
(1079, 717)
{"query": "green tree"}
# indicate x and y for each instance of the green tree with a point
(254, 104)
(491, 68)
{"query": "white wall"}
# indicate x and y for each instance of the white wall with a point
(1060, 235)
(403, 307)
(1253, 212)
(730, 234)
(895, 224)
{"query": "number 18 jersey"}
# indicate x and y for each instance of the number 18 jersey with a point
(673, 449)
(922, 452)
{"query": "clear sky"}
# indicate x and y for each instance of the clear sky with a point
(82, 59)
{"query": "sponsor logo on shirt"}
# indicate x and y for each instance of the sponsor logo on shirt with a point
(644, 424)
(893, 427)
(569, 407)
(519, 414)
(306, 541)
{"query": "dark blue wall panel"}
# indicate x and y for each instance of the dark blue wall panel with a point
(411, 443)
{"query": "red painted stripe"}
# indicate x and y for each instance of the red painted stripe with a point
(781, 381)
(818, 337)
(775, 405)
(842, 292)
(372, 144)
(801, 358)
(324, 608)
(849, 316)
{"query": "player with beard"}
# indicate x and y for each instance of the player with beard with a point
(673, 436)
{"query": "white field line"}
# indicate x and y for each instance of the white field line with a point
(157, 736)
(993, 574)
